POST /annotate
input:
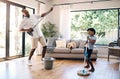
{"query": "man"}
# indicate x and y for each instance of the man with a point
(30, 24)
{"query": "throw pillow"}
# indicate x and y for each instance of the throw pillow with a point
(71, 45)
(77, 43)
(60, 43)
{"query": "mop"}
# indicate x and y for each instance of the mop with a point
(84, 72)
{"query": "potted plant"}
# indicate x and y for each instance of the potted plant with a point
(49, 29)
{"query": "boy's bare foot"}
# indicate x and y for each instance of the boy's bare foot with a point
(87, 66)
(92, 70)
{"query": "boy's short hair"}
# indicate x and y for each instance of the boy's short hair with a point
(91, 29)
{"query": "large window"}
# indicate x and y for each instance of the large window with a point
(12, 42)
(15, 35)
(2, 29)
(105, 23)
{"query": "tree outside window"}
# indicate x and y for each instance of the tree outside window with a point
(105, 23)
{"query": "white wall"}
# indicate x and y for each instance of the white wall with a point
(46, 7)
(64, 28)
(61, 18)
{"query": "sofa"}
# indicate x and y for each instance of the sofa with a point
(53, 50)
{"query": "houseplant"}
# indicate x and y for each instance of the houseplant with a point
(49, 29)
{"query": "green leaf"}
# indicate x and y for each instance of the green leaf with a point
(49, 29)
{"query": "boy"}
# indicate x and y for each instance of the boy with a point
(91, 39)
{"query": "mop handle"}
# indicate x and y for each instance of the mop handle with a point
(30, 33)
(85, 54)
(37, 22)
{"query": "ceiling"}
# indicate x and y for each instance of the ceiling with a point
(68, 2)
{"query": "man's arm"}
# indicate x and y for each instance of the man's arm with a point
(26, 30)
(44, 14)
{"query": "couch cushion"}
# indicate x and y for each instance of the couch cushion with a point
(81, 50)
(77, 50)
(61, 50)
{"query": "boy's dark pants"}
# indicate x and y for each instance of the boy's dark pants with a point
(88, 59)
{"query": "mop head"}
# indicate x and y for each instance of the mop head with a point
(83, 72)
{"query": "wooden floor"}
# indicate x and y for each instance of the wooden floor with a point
(62, 69)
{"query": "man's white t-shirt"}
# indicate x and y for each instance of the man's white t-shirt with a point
(30, 23)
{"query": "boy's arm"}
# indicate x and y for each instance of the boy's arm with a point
(86, 42)
(92, 41)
